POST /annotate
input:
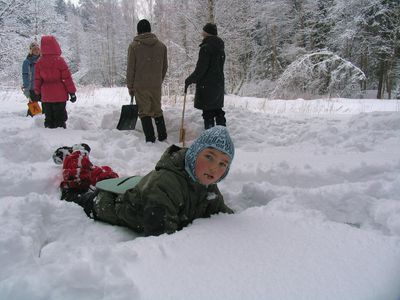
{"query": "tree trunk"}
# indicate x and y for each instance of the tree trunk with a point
(391, 74)
(364, 68)
(274, 54)
(108, 57)
(379, 94)
(211, 8)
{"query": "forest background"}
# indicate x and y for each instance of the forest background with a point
(274, 49)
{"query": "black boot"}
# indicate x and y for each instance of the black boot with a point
(208, 123)
(148, 129)
(161, 130)
(220, 119)
(48, 124)
(86, 200)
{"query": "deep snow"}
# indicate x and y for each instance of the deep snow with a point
(315, 184)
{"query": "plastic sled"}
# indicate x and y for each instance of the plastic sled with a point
(118, 185)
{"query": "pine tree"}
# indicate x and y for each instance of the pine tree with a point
(380, 27)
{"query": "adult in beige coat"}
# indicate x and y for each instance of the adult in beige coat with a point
(147, 66)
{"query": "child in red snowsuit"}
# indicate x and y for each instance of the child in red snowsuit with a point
(53, 81)
(80, 175)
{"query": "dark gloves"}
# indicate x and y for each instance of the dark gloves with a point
(72, 98)
(187, 83)
(34, 96)
(131, 92)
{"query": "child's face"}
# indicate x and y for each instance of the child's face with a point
(210, 165)
(36, 51)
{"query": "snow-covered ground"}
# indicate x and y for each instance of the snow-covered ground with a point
(315, 184)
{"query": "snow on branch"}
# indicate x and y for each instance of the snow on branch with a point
(9, 7)
(319, 73)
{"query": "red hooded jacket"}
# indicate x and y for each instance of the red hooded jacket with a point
(52, 77)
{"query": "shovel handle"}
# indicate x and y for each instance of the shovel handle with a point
(182, 131)
(182, 134)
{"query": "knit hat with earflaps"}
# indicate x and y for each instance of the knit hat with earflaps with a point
(216, 137)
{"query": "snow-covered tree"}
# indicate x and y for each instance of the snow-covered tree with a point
(21, 23)
(235, 20)
(320, 73)
(320, 24)
(61, 8)
(380, 30)
(108, 28)
(171, 27)
(366, 32)
(13, 27)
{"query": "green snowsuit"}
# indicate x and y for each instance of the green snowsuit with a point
(164, 201)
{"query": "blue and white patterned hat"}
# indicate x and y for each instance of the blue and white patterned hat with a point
(216, 137)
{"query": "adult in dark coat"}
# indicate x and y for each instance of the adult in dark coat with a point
(209, 78)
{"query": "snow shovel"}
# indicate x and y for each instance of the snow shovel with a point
(182, 131)
(128, 118)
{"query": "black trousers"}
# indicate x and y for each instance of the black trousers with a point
(55, 114)
(212, 117)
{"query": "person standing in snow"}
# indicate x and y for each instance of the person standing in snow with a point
(28, 73)
(181, 188)
(53, 82)
(209, 78)
(146, 70)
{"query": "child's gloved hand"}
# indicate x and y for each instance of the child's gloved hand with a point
(72, 98)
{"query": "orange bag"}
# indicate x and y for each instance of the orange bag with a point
(34, 108)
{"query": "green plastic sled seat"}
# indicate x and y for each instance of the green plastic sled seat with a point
(118, 185)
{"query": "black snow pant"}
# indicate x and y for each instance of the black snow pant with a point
(212, 117)
(55, 114)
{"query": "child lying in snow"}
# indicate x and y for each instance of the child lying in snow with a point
(183, 187)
